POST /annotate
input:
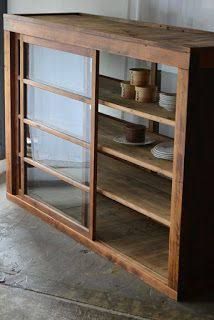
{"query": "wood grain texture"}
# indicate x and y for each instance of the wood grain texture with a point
(110, 96)
(11, 65)
(8, 106)
(86, 52)
(133, 235)
(135, 188)
(146, 33)
(110, 128)
(178, 174)
(104, 41)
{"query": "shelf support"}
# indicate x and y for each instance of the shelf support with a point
(153, 125)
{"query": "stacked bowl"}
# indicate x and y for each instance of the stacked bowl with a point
(167, 101)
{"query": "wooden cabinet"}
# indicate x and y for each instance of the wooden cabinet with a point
(151, 216)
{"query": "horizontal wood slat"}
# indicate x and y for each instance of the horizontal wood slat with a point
(55, 214)
(58, 46)
(56, 133)
(58, 91)
(57, 174)
(133, 235)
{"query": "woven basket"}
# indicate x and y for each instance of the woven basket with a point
(127, 90)
(139, 77)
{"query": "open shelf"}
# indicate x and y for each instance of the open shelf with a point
(139, 155)
(135, 188)
(109, 95)
(133, 235)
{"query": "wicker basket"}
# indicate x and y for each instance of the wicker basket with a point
(139, 77)
(127, 90)
(146, 94)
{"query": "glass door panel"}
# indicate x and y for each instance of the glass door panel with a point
(60, 69)
(65, 157)
(58, 121)
(67, 199)
(67, 115)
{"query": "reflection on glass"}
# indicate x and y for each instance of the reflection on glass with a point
(67, 199)
(69, 159)
(58, 112)
(61, 69)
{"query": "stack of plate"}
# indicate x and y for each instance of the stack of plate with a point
(167, 101)
(163, 150)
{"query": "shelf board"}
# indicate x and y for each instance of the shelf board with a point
(139, 155)
(109, 95)
(133, 235)
(135, 188)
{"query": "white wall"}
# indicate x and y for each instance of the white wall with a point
(114, 8)
(197, 14)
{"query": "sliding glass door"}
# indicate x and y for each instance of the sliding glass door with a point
(58, 130)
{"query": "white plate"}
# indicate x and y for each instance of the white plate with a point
(167, 102)
(122, 140)
(162, 153)
(165, 147)
(161, 157)
(167, 99)
(168, 95)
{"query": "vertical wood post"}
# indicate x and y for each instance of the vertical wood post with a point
(191, 260)
(22, 116)
(93, 148)
(8, 108)
(178, 174)
(11, 109)
(154, 126)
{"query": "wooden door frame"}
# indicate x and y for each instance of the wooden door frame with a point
(16, 158)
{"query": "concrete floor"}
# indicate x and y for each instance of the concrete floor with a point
(45, 274)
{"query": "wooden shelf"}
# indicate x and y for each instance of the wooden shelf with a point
(133, 235)
(141, 156)
(135, 188)
(109, 95)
